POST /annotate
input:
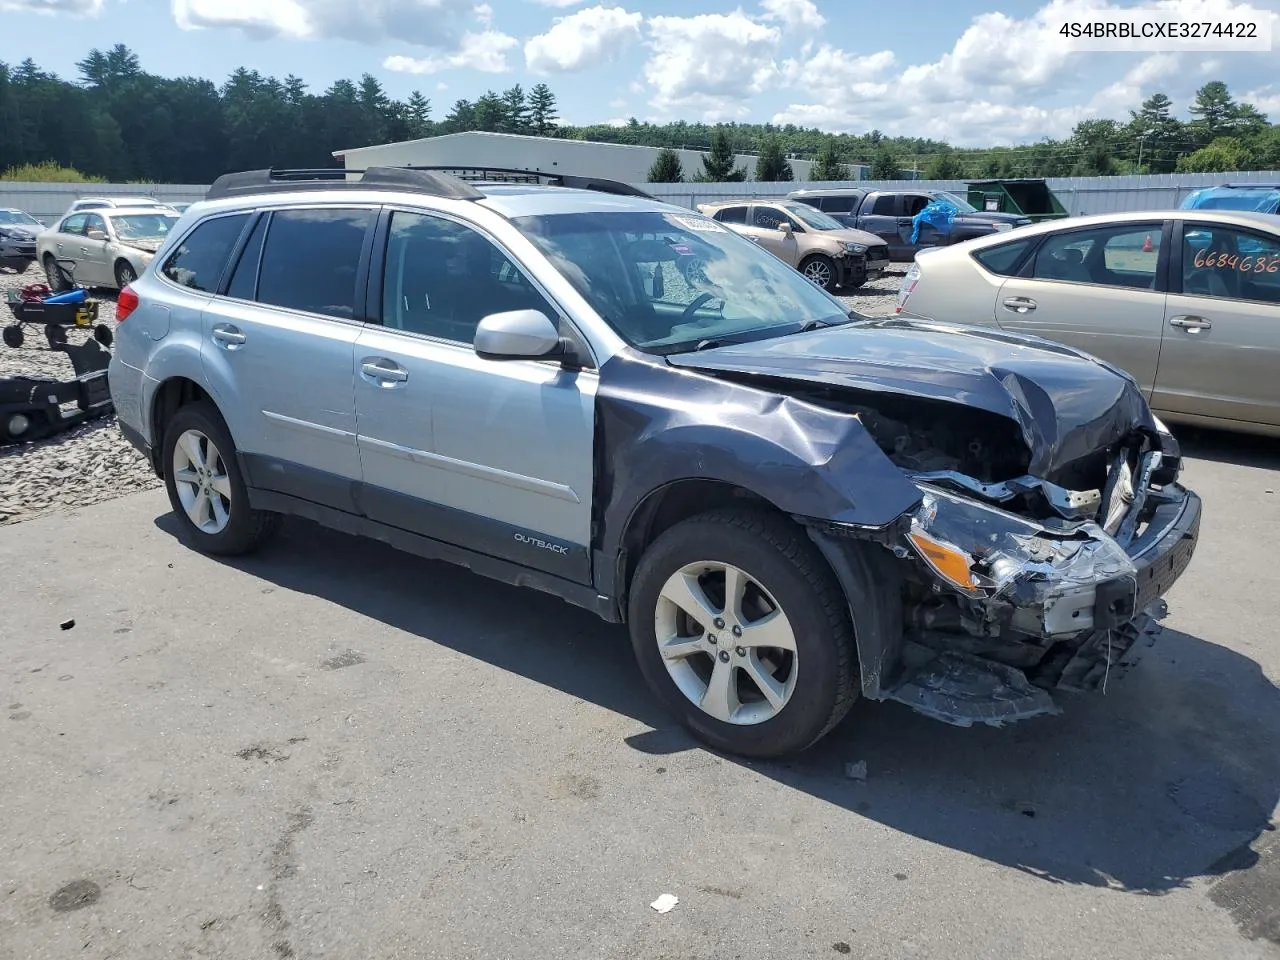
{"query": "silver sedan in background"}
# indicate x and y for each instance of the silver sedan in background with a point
(1185, 301)
(102, 248)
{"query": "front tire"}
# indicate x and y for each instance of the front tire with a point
(741, 629)
(820, 270)
(58, 280)
(206, 489)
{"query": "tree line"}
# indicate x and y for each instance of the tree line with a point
(117, 122)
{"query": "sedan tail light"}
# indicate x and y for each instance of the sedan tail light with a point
(126, 303)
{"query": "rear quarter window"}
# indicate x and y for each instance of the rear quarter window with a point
(1004, 259)
(202, 255)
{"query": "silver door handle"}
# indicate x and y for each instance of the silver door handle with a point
(85, 251)
(1190, 324)
(384, 370)
(226, 334)
(1020, 304)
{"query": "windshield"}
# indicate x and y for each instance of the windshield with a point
(16, 218)
(813, 217)
(143, 226)
(669, 282)
(957, 201)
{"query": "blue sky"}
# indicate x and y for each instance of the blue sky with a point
(973, 72)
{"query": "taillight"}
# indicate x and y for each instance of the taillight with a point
(126, 303)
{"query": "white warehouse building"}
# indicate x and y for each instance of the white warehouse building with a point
(476, 149)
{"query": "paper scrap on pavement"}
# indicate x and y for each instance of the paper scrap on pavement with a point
(665, 902)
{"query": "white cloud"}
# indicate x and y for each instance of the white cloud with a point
(558, 3)
(584, 39)
(1005, 80)
(485, 52)
(712, 63)
(484, 14)
(435, 24)
(795, 14)
(75, 8)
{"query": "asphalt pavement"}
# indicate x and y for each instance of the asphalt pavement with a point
(333, 750)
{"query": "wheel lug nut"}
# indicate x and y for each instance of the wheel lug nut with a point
(719, 624)
(740, 652)
(711, 638)
(724, 656)
(737, 630)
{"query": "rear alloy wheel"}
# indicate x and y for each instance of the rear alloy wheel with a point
(125, 274)
(741, 629)
(59, 282)
(205, 487)
(820, 270)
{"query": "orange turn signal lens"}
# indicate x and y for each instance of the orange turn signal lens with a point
(950, 563)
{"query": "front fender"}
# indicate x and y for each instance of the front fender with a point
(659, 425)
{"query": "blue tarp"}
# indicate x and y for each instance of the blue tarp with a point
(938, 214)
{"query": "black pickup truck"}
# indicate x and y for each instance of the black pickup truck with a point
(889, 213)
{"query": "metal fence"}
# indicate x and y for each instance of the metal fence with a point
(1080, 195)
(49, 201)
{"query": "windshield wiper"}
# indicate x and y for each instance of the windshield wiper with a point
(706, 345)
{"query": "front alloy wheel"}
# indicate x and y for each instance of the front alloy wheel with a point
(820, 271)
(726, 643)
(203, 487)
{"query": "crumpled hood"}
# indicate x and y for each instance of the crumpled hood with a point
(1066, 403)
(20, 231)
(149, 246)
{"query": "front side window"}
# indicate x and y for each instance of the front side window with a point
(667, 282)
(442, 278)
(310, 260)
(73, 224)
(201, 256)
(1109, 256)
(1222, 262)
(769, 218)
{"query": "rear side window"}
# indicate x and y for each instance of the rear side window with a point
(244, 281)
(310, 260)
(886, 205)
(837, 204)
(202, 254)
(1005, 258)
(732, 215)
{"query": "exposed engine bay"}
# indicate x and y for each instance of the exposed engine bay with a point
(1021, 584)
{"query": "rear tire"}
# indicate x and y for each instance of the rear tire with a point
(811, 686)
(125, 274)
(820, 270)
(206, 489)
(59, 282)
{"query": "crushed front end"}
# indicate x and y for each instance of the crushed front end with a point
(1016, 589)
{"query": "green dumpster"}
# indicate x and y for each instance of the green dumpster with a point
(1029, 197)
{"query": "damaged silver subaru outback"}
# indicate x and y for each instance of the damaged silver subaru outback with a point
(577, 388)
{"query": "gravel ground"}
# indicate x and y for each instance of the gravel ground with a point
(93, 462)
(88, 463)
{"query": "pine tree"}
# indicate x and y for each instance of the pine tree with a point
(418, 115)
(827, 166)
(772, 164)
(666, 168)
(517, 108)
(491, 113)
(884, 166)
(717, 164)
(542, 110)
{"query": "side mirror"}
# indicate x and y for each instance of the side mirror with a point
(95, 234)
(784, 227)
(517, 335)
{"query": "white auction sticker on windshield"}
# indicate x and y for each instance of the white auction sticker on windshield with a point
(700, 224)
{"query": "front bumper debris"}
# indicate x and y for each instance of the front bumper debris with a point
(1022, 608)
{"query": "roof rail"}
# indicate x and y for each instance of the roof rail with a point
(250, 182)
(522, 175)
(453, 182)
